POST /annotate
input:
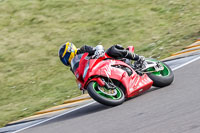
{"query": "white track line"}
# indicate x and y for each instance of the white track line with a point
(54, 117)
(195, 59)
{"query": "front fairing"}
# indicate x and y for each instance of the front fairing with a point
(103, 67)
(134, 83)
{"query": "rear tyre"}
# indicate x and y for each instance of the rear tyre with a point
(162, 78)
(101, 94)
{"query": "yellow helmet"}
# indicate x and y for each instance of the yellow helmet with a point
(67, 52)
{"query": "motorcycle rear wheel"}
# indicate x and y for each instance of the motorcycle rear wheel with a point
(94, 91)
(162, 78)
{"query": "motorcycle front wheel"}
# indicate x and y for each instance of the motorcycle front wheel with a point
(109, 97)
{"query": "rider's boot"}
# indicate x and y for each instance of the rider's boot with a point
(139, 60)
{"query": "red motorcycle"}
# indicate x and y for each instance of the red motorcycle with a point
(110, 81)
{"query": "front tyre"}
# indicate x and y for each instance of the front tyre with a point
(162, 78)
(106, 96)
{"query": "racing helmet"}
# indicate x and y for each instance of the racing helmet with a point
(67, 52)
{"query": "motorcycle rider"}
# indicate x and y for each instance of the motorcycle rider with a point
(68, 51)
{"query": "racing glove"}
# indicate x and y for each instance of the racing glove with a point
(99, 51)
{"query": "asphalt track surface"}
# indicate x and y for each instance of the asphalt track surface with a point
(172, 109)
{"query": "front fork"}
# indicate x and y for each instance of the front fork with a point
(96, 79)
(101, 82)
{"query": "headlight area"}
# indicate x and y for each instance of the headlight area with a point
(86, 70)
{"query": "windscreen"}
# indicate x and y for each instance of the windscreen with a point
(75, 62)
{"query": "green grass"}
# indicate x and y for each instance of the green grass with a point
(31, 32)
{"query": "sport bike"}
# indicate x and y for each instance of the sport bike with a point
(110, 81)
